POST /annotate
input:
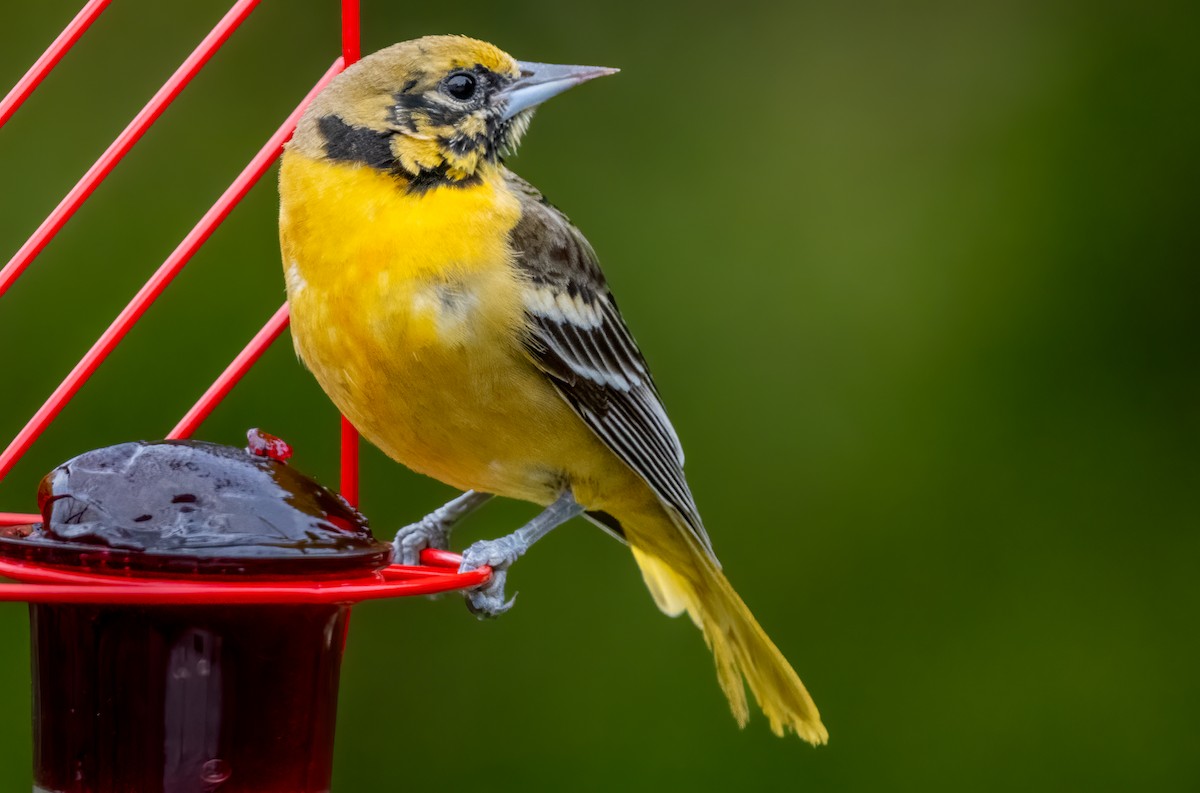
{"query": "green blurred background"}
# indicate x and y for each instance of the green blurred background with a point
(918, 282)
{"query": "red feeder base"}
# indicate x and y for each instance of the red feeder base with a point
(205, 662)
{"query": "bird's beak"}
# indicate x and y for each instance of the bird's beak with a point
(540, 81)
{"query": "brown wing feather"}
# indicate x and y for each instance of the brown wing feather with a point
(578, 338)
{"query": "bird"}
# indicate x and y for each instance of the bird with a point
(462, 323)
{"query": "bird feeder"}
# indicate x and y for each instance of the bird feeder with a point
(189, 602)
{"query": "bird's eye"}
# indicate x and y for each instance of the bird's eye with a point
(461, 86)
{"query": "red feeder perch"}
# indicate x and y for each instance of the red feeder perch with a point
(184, 639)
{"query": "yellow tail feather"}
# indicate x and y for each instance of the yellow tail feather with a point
(740, 647)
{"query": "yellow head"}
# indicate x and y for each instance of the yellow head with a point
(434, 111)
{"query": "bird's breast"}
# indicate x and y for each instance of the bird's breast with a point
(418, 269)
(408, 310)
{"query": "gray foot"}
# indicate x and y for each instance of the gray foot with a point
(433, 530)
(428, 532)
(488, 600)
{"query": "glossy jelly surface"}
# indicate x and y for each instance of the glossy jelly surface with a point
(180, 507)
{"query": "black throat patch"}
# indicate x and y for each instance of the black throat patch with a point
(356, 144)
(347, 143)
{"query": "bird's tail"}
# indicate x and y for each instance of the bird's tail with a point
(683, 577)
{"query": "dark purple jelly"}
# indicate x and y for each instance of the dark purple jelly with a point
(188, 698)
(171, 507)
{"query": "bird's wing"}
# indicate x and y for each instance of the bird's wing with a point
(578, 338)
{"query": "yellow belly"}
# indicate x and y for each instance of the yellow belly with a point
(409, 312)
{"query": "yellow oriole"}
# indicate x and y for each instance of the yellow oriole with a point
(462, 323)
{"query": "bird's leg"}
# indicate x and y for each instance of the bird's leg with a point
(488, 600)
(433, 530)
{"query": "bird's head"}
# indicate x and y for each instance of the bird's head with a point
(433, 111)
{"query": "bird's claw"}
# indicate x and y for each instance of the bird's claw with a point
(487, 600)
(428, 532)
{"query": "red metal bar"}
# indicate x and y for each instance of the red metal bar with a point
(351, 38)
(124, 142)
(157, 283)
(233, 373)
(436, 558)
(351, 51)
(50, 58)
(349, 482)
(18, 518)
